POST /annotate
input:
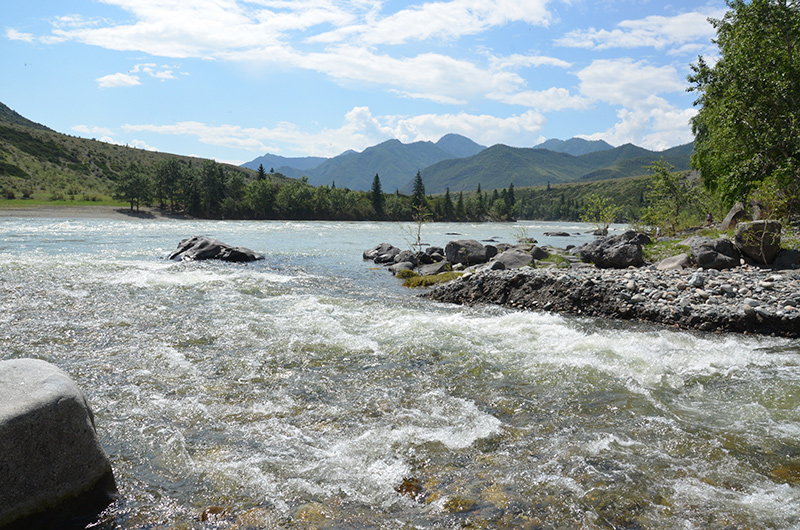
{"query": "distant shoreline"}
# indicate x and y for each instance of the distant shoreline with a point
(89, 212)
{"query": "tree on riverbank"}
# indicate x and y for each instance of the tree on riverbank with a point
(747, 131)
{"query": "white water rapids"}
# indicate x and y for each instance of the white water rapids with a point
(312, 390)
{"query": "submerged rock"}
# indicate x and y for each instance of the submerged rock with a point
(202, 248)
(54, 472)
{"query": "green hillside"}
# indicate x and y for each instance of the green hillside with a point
(501, 165)
(36, 162)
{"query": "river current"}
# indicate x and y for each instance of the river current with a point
(311, 390)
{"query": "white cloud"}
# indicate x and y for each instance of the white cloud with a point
(654, 31)
(85, 129)
(359, 130)
(263, 32)
(117, 80)
(549, 100)
(13, 34)
(623, 81)
(644, 117)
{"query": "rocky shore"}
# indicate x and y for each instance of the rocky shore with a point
(748, 284)
(744, 299)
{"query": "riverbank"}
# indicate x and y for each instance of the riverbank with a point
(743, 299)
(88, 212)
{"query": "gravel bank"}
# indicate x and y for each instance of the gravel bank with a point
(744, 300)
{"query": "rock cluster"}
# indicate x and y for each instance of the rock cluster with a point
(739, 300)
(457, 255)
(202, 248)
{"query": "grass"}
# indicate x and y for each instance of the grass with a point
(557, 260)
(28, 203)
(427, 281)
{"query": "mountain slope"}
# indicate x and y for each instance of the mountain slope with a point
(500, 165)
(574, 146)
(270, 161)
(38, 162)
(395, 162)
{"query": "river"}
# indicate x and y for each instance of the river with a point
(311, 390)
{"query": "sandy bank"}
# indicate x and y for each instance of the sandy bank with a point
(88, 212)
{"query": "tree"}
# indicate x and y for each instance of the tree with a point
(747, 130)
(669, 195)
(448, 208)
(167, 181)
(134, 186)
(376, 196)
(418, 194)
(262, 174)
(600, 212)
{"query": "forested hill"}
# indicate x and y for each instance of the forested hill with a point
(501, 165)
(37, 162)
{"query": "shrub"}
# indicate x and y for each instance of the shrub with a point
(426, 281)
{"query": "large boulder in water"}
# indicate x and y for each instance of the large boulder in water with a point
(54, 471)
(201, 248)
(468, 252)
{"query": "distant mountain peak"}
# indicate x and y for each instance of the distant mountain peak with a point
(574, 146)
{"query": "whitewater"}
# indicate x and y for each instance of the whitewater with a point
(311, 390)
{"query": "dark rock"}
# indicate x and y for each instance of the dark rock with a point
(433, 268)
(615, 252)
(557, 234)
(401, 266)
(430, 251)
(716, 254)
(540, 253)
(467, 251)
(759, 240)
(377, 250)
(55, 474)
(787, 259)
(202, 248)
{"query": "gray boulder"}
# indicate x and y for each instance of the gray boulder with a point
(514, 258)
(679, 262)
(54, 472)
(759, 240)
(202, 248)
(401, 266)
(735, 214)
(615, 252)
(377, 250)
(716, 254)
(406, 255)
(468, 252)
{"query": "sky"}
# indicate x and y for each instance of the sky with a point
(232, 80)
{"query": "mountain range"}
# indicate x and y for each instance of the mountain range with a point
(458, 163)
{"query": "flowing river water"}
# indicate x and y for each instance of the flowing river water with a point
(311, 390)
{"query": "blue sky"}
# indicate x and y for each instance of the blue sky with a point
(234, 79)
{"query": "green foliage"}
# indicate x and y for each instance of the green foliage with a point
(376, 196)
(599, 211)
(669, 194)
(418, 199)
(748, 127)
(134, 186)
(661, 249)
(405, 274)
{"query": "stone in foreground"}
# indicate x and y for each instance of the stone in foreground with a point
(202, 248)
(54, 471)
